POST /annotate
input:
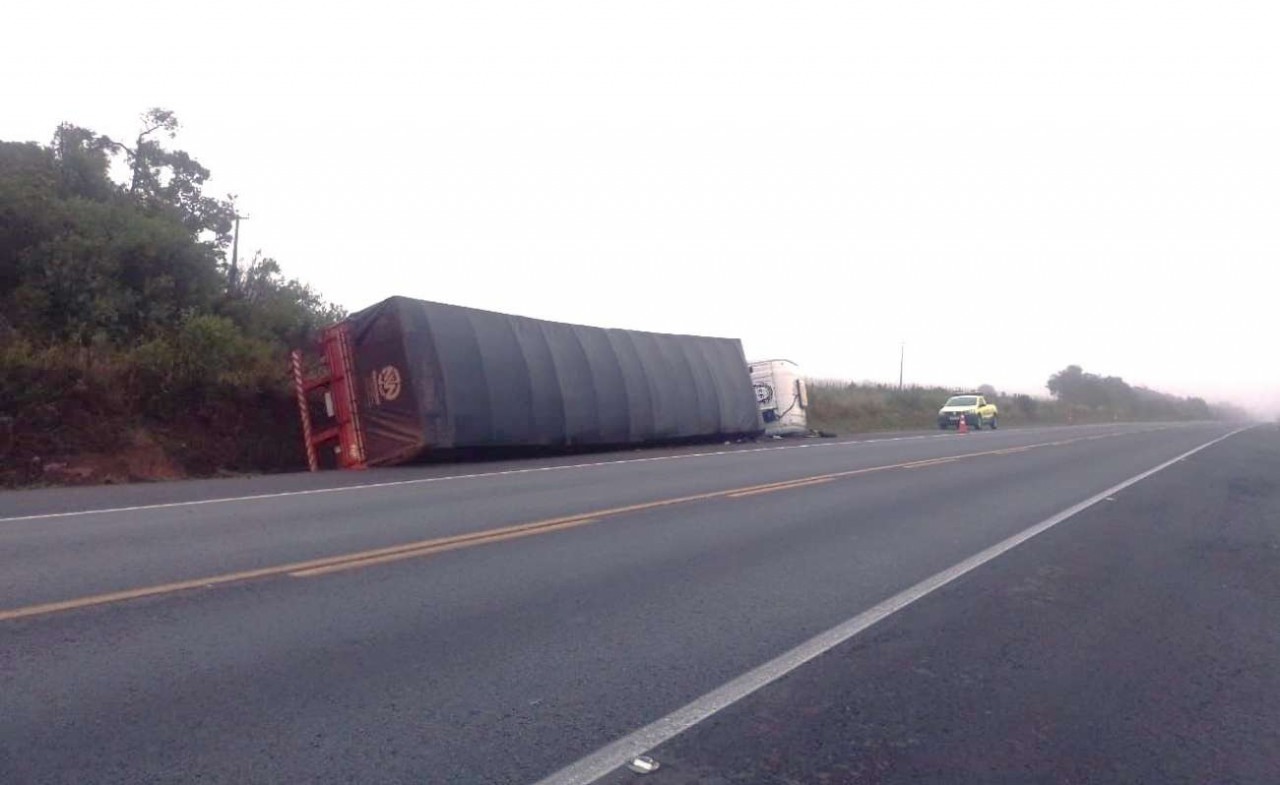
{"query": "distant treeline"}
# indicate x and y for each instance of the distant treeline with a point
(1078, 397)
(1073, 387)
(130, 346)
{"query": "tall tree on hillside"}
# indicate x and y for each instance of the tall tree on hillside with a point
(146, 152)
(172, 180)
(83, 159)
(84, 262)
(89, 262)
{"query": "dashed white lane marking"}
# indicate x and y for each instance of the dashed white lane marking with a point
(610, 757)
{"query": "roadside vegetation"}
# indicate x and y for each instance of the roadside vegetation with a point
(1076, 397)
(130, 346)
(133, 345)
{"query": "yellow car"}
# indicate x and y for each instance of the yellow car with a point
(973, 408)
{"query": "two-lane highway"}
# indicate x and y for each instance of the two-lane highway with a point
(485, 624)
(88, 549)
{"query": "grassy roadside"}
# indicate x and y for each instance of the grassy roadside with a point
(845, 407)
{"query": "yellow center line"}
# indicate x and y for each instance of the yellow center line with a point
(932, 462)
(500, 536)
(781, 487)
(366, 558)
(1011, 451)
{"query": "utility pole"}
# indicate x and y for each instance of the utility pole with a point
(233, 275)
(902, 356)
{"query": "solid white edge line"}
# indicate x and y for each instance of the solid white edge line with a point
(612, 756)
(474, 476)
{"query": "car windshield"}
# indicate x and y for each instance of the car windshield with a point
(962, 400)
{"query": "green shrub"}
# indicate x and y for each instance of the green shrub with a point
(121, 323)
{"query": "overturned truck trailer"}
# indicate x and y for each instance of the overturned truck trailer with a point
(406, 377)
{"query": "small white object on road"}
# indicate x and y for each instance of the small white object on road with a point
(643, 764)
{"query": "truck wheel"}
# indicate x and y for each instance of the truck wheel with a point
(977, 423)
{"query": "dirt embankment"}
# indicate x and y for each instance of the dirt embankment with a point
(92, 433)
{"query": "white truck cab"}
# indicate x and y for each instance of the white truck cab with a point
(782, 396)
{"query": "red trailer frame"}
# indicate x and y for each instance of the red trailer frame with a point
(339, 385)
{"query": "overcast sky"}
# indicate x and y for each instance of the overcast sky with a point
(1005, 187)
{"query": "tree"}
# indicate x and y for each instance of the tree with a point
(273, 307)
(1065, 384)
(116, 312)
(146, 152)
(83, 263)
(83, 158)
(1114, 396)
(172, 180)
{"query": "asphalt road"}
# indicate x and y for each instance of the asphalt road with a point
(1137, 644)
(495, 623)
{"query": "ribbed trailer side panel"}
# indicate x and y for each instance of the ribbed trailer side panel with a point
(437, 376)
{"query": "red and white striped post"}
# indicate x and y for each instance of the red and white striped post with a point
(303, 411)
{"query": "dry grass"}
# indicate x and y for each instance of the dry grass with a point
(849, 407)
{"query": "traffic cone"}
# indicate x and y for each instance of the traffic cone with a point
(963, 427)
